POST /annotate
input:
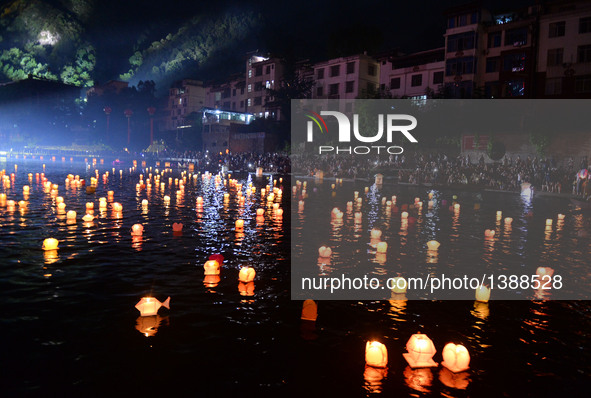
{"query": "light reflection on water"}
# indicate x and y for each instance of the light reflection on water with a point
(532, 346)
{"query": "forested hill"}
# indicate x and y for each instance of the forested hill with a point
(73, 41)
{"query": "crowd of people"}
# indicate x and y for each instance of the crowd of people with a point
(545, 174)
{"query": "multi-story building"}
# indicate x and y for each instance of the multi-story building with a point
(417, 76)
(262, 74)
(564, 67)
(229, 95)
(346, 77)
(184, 97)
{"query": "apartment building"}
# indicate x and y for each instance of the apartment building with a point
(262, 74)
(184, 97)
(564, 67)
(418, 76)
(346, 77)
(229, 95)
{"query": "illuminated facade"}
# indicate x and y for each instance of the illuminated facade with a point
(262, 74)
(229, 95)
(184, 97)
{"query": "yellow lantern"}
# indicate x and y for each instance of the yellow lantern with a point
(59, 200)
(399, 285)
(404, 215)
(117, 207)
(71, 215)
(376, 354)
(145, 203)
(137, 229)
(382, 247)
(324, 251)
(309, 311)
(61, 206)
(246, 274)
(508, 220)
(455, 357)
(545, 274)
(376, 233)
(260, 212)
(433, 245)
(420, 351)
(561, 216)
(499, 214)
(239, 224)
(549, 222)
(50, 244)
(211, 267)
(148, 306)
(87, 218)
(483, 294)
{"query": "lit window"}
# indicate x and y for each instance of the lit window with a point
(268, 84)
(248, 102)
(250, 88)
(249, 73)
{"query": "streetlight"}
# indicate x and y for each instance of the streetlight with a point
(151, 110)
(128, 113)
(107, 109)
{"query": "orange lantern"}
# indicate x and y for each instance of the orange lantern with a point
(376, 354)
(260, 212)
(71, 215)
(309, 311)
(148, 306)
(87, 218)
(145, 203)
(324, 251)
(420, 351)
(50, 244)
(508, 220)
(117, 207)
(211, 267)
(239, 224)
(455, 357)
(137, 229)
(489, 233)
(246, 274)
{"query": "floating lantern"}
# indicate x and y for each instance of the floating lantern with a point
(260, 212)
(457, 207)
(358, 217)
(376, 354)
(545, 273)
(110, 194)
(549, 222)
(376, 233)
(59, 199)
(117, 207)
(199, 201)
(324, 251)
(61, 206)
(433, 245)
(26, 189)
(50, 244)
(145, 203)
(455, 357)
(560, 217)
(89, 205)
(404, 215)
(499, 214)
(483, 294)
(420, 351)
(177, 227)
(148, 306)
(87, 218)
(309, 311)
(279, 213)
(239, 224)
(246, 274)
(211, 267)
(137, 229)
(489, 233)
(382, 247)
(71, 215)
(508, 220)
(22, 204)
